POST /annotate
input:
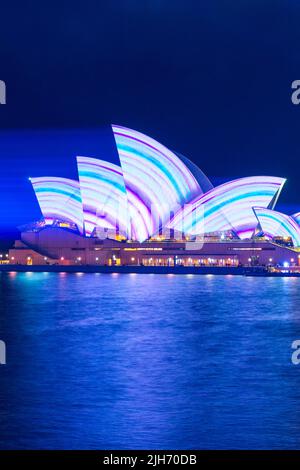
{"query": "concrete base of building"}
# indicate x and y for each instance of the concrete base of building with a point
(58, 250)
(55, 268)
(166, 270)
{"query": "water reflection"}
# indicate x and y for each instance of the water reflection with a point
(122, 361)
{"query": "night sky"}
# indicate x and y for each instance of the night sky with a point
(210, 79)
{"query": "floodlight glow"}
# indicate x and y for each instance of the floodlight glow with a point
(228, 207)
(275, 223)
(59, 199)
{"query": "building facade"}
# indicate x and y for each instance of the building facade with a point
(55, 245)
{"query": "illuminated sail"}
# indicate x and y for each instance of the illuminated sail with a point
(156, 180)
(59, 199)
(228, 207)
(275, 223)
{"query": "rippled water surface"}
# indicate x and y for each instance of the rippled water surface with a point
(127, 361)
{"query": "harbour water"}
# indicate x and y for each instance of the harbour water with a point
(134, 361)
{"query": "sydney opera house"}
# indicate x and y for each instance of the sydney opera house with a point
(156, 208)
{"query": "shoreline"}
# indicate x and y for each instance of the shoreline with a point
(177, 270)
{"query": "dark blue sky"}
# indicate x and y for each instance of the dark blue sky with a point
(210, 79)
